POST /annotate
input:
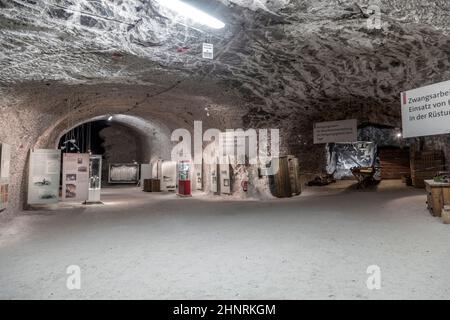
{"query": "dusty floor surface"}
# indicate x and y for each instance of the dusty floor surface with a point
(156, 246)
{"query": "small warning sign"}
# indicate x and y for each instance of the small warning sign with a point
(208, 51)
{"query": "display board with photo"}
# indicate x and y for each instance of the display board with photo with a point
(75, 184)
(44, 175)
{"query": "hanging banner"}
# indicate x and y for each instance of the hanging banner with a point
(336, 131)
(426, 111)
(44, 174)
(75, 177)
(5, 156)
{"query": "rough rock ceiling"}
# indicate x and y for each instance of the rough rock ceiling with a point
(284, 55)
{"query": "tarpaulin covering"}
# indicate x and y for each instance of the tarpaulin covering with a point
(344, 156)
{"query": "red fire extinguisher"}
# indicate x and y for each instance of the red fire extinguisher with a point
(244, 185)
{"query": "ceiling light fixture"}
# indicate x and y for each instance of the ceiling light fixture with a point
(190, 12)
(110, 118)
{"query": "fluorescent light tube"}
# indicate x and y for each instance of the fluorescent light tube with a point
(190, 12)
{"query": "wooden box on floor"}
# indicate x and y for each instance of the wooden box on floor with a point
(152, 185)
(280, 183)
(438, 196)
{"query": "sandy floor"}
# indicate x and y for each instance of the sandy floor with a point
(318, 245)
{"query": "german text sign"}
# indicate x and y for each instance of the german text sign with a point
(336, 131)
(426, 111)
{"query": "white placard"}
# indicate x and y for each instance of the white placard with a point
(336, 131)
(5, 157)
(75, 178)
(168, 176)
(43, 179)
(225, 181)
(208, 51)
(426, 111)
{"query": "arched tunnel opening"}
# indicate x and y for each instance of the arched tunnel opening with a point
(224, 149)
(116, 143)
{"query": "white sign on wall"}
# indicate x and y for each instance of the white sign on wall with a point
(426, 111)
(336, 131)
(43, 179)
(75, 178)
(208, 51)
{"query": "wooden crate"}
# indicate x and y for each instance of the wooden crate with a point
(280, 183)
(152, 185)
(438, 196)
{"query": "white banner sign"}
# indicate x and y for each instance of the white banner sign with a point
(43, 180)
(336, 131)
(75, 184)
(426, 111)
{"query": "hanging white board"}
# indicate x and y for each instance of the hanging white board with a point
(168, 176)
(124, 173)
(426, 111)
(336, 131)
(75, 178)
(44, 175)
